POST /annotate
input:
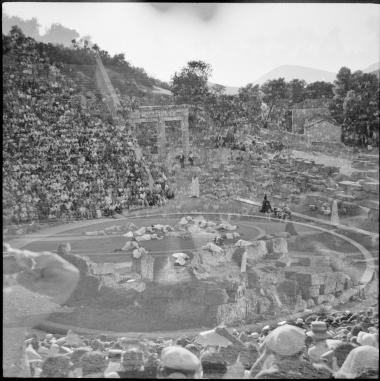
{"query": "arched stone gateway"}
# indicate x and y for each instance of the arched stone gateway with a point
(159, 115)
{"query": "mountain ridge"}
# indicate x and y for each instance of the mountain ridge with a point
(289, 72)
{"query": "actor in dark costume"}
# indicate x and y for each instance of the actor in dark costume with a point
(266, 207)
(182, 160)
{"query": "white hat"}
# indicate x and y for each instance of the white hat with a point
(286, 340)
(359, 360)
(365, 338)
(178, 358)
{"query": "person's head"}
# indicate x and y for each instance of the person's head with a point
(364, 338)
(56, 367)
(132, 360)
(178, 362)
(77, 355)
(356, 329)
(213, 363)
(360, 360)
(93, 362)
(286, 340)
(336, 357)
(319, 331)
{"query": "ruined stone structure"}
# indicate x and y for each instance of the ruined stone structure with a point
(303, 111)
(159, 115)
(322, 128)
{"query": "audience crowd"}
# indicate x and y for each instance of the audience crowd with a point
(62, 156)
(319, 345)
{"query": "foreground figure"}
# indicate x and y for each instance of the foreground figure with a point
(35, 285)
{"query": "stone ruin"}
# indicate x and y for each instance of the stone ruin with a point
(159, 115)
(242, 279)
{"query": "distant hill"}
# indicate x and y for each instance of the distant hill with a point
(290, 72)
(375, 67)
(229, 90)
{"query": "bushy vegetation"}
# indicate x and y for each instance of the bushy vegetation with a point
(62, 45)
(355, 106)
(353, 100)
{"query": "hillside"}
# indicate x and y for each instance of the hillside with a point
(290, 72)
(374, 68)
(229, 90)
(76, 58)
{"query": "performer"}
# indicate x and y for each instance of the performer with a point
(266, 207)
(194, 186)
(191, 159)
(182, 160)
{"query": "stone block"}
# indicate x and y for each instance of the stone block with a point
(230, 313)
(288, 287)
(140, 231)
(147, 266)
(257, 250)
(144, 237)
(328, 298)
(253, 279)
(312, 292)
(310, 303)
(277, 246)
(281, 263)
(128, 235)
(213, 259)
(303, 261)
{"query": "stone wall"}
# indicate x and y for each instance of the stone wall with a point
(299, 116)
(147, 267)
(286, 138)
(313, 284)
(159, 115)
(323, 131)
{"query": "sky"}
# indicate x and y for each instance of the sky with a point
(240, 41)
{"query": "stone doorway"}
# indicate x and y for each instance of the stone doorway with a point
(172, 123)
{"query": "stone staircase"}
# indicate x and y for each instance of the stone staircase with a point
(363, 188)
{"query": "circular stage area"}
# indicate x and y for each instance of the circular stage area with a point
(283, 271)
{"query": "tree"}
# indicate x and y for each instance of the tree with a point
(16, 31)
(251, 103)
(342, 85)
(361, 109)
(319, 89)
(29, 27)
(190, 84)
(223, 110)
(276, 94)
(59, 34)
(297, 91)
(355, 105)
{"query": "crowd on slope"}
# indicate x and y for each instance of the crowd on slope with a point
(324, 345)
(61, 159)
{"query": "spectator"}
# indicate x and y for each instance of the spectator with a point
(61, 161)
(178, 362)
